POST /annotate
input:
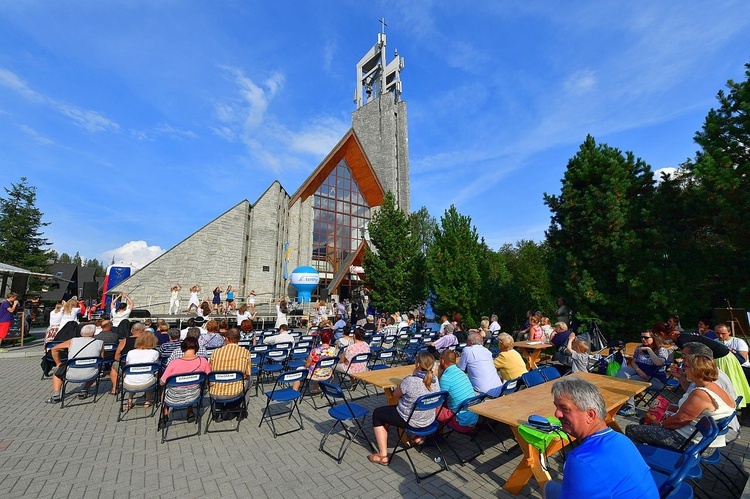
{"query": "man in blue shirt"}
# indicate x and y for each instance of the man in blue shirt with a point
(606, 463)
(457, 384)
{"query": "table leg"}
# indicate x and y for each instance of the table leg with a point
(610, 419)
(530, 465)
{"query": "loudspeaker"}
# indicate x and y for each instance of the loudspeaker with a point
(140, 313)
(20, 284)
(90, 290)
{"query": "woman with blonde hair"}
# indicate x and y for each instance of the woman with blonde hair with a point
(70, 312)
(508, 362)
(144, 353)
(421, 382)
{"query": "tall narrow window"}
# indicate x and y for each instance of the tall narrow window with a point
(339, 218)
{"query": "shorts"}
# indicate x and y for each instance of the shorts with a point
(4, 328)
(230, 301)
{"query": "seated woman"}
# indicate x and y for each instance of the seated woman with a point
(648, 357)
(322, 351)
(706, 399)
(143, 353)
(536, 333)
(559, 335)
(547, 328)
(358, 346)
(346, 338)
(188, 363)
(211, 338)
(421, 382)
(509, 362)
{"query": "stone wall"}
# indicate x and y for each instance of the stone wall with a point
(267, 235)
(212, 256)
(381, 127)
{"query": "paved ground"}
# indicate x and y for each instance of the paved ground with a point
(82, 451)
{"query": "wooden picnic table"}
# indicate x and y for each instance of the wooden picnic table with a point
(532, 351)
(515, 408)
(386, 379)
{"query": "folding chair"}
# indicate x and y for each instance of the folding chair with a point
(362, 358)
(152, 368)
(532, 378)
(429, 402)
(665, 381)
(109, 356)
(284, 395)
(509, 386)
(410, 350)
(376, 343)
(323, 363)
(549, 373)
(453, 426)
(49, 361)
(383, 360)
(219, 403)
(255, 361)
(671, 484)
(298, 357)
(80, 371)
(274, 362)
(183, 381)
(340, 413)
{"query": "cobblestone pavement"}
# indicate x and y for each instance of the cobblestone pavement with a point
(82, 451)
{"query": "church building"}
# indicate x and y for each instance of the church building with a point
(323, 224)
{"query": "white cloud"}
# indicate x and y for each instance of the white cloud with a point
(91, 121)
(38, 137)
(668, 171)
(136, 253)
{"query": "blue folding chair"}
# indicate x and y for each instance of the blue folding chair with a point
(672, 484)
(452, 426)
(281, 394)
(81, 371)
(49, 361)
(532, 378)
(342, 412)
(429, 402)
(181, 382)
(715, 457)
(298, 357)
(109, 356)
(549, 373)
(320, 366)
(352, 384)
(383, 359)
(225, 407)
(151, 368)
(509, 386)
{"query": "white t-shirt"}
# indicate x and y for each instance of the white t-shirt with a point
(442, 327)
(71, 317)
(118, 317)
(243, 317)
(737, 344)
(140, 356)
(493, 327)
(55, 318)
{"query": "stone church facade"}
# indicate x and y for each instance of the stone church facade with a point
(255, 246)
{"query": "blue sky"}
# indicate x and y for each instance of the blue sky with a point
(139, 122)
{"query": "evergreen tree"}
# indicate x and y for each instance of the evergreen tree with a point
(528, 286)
(493, 275)
(718, 184)
(394, 271)
(65, 258)
(604, 240)
(22, 242)
(453, 263)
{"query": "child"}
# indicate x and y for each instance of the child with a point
(579, 350)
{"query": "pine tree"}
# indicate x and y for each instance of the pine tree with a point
(394, 271)
(453, 263)
(604, 240)
(22, 242)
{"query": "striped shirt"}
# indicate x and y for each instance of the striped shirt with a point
(459, 388)
(230, 357)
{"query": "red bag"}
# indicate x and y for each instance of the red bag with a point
(657, 411)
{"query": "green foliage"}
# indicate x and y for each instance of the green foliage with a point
(528, 286)
(717, 186)
(423, 226)
(453, 267)
(606, 251)
(493, 275)
(395, 270)
(22, 242)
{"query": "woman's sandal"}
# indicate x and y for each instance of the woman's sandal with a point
(130, 405)
(378, 459)
(147, 404)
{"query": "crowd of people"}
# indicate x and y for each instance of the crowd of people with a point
(707, 363)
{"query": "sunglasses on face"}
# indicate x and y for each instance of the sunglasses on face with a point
(646, 337)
